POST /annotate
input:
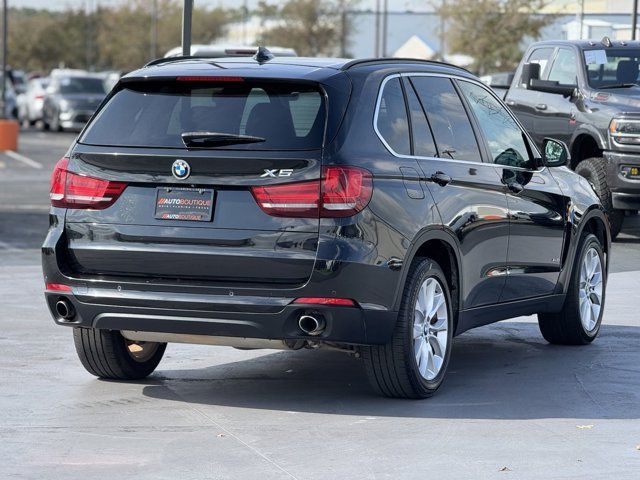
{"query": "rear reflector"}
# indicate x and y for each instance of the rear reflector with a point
(343, 302)
(71, 190)
(342, 192)
(57, 287)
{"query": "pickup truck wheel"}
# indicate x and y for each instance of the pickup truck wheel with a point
(413, 364)
(579, 321)
(594, 170)
(107, 354)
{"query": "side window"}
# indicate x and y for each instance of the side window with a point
(504, 136)
(451, 127)
(423, 144)
(541, 56)
(392, 120)
(565, 68)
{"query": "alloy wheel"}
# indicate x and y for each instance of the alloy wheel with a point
(430, 328)
(590, 290)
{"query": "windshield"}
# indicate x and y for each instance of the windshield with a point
(287, 116)
(82, 85)
(612, 67)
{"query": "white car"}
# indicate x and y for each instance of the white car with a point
(223, 51)
(30, 102)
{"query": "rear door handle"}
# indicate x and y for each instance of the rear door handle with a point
(441, 178)
(541, 106)
(511, 103)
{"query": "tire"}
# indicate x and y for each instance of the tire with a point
(567, 326)
(594, 170)
(393, 369)
(107, 354)
(55, 123)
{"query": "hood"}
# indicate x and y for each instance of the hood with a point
(626, 99)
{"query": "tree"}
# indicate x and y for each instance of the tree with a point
(492, 31)
(311, 27)
(114, 36)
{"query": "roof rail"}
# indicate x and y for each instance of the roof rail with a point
(373, 61)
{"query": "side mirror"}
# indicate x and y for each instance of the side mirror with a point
(530, 71)
(549, 86)
(555, 153)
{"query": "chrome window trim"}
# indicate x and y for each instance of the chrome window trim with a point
(456, 77)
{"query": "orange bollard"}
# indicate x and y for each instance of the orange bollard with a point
(9, 135)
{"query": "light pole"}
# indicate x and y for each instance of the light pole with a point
(4, 58)
(187, 13)
(634, 20)
(154, 30)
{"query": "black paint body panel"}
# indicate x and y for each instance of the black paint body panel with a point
(238, 274)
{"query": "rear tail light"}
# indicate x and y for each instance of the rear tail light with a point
(343, 302)
(342, 192)
(71, 190)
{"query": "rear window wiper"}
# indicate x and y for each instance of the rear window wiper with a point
(619, 85)
(216, 139)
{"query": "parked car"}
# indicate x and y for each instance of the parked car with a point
(30, 102)
(224, 51)
(18, 80)
(11, 105)
(587, 94)
(71, 100)
(379, 207)
(499, 82)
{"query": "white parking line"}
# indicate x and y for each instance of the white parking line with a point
(23, 159)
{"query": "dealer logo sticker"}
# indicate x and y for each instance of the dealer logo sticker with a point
(180, 169)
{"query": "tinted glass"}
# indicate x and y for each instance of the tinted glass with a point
(541, 56)
(448, 118)
(423, 144)
(505, 139)
(82, 85)
(287, 116)
(565, 68)
(612, 67)
(392, 118)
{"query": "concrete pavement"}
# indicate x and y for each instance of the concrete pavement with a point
(512, 406)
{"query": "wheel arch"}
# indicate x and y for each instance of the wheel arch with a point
(442, 247)
(586, 143)
(594, 221)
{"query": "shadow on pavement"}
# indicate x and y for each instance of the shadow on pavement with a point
(506, 371)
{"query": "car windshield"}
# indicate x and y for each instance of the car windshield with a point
(82, 85)
(612, 67)
(287, 116)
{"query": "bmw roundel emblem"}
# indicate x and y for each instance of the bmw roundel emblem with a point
(180, 169)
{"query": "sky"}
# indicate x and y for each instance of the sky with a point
(397, 5)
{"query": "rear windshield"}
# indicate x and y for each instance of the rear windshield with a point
(154, 114)
(82, 85)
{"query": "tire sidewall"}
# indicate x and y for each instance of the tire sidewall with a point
(589, 241)
(424, 270)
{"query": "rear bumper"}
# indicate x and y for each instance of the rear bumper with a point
(273, 319)
(154, 305)
(625, 191)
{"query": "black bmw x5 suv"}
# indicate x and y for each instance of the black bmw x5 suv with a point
(380, 207)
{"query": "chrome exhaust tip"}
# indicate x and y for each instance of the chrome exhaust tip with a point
(311, 325)
(65, 310)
